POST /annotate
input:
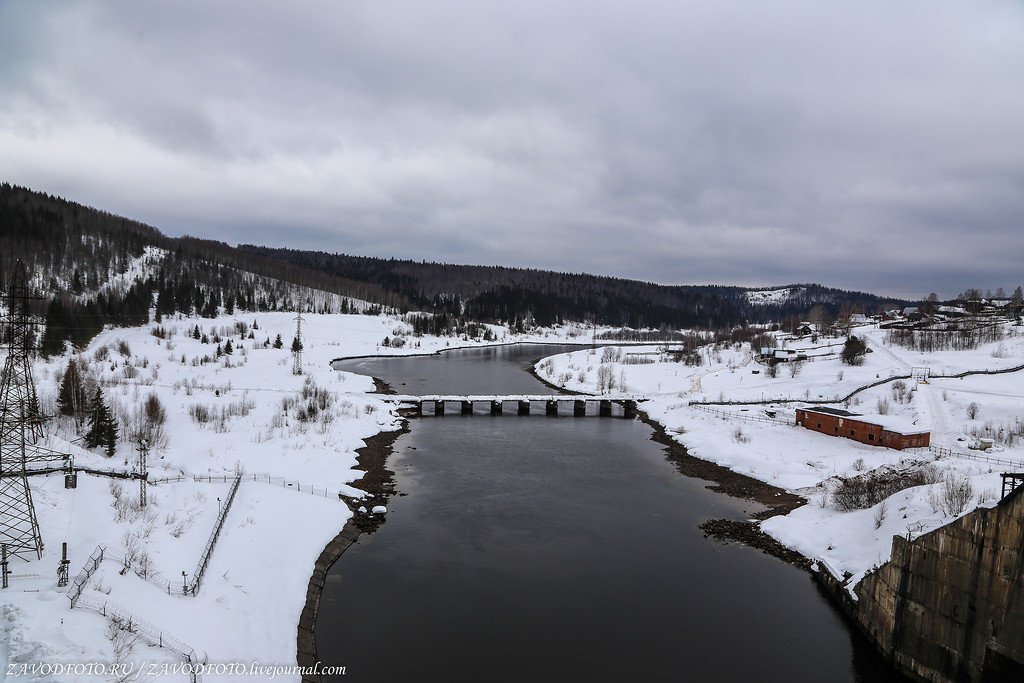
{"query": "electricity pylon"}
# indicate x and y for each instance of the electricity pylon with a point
(20, 425)
(297, 346)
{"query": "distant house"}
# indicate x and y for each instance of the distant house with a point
(878, 430)
(805, 328)
(787, 355)
(952, 310)
(858, 319)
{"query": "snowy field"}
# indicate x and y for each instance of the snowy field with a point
(774, 450)
(224, 415)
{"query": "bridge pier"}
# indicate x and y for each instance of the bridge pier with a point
(579, 408)
(419, 408)
(438, 408)
(524, 407)
(467, 407)
(496, 407)
(551, 408)
(629, 409)
(605, 409)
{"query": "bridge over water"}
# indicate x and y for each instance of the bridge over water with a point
(524, 404)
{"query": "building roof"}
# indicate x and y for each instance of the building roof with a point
(890, 423)
(832, 411)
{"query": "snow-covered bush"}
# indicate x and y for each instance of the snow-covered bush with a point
(867, 490)
(953, 495)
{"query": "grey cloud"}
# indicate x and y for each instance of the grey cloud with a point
(868, 145)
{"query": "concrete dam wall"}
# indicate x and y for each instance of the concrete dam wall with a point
(949, 605)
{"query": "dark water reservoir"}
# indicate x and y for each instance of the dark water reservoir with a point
(560, 549)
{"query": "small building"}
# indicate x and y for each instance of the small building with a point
(877, 430)
(788, 355)
(805, 328)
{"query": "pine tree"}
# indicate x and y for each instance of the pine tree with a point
(71, 400)
(296, 344)
(278, 343)
(228, 347)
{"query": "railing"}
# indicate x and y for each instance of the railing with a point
(152, 634)
(204, 559)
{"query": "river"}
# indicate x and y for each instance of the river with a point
(539, 548)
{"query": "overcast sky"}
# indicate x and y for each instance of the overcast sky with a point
(863, 144)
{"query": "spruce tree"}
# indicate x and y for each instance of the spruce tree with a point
(278, 343)
(102, 427)
(71, 400)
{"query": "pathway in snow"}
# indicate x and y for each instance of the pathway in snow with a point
(936, 412)
(885, 350)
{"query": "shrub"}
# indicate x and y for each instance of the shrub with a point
(953, 496)
(867, 490)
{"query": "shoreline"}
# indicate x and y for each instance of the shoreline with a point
(379, 484)
(727, 482)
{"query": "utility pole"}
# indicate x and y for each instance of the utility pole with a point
(62, 570)
(3, 565)
(297, 346)
(143, 472)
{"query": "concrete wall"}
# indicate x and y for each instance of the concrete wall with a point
(949, 605)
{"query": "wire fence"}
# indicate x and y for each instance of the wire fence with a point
(284, 482)
(944, 452)
(90, 567)
(750, 417)
(204, 559)
(158, 637)
(141, 570)
(878, 382)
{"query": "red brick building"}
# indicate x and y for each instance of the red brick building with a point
(879, 430)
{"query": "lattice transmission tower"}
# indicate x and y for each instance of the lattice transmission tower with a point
(297, 346)
(21, 425)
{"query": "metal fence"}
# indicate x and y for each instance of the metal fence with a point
(204, 559)
(847, 397)
(291, 484)
(750, 417)
(944, 452)
(148, 632)
(90, 567)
